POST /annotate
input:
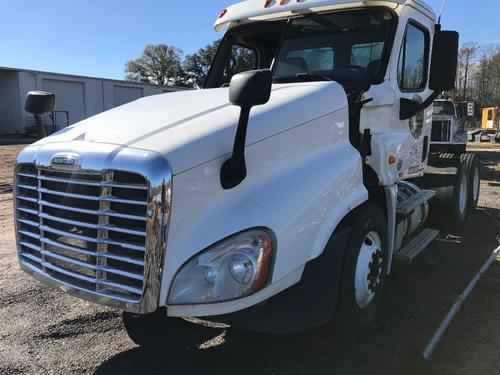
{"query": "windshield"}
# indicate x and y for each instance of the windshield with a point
(444, 108)
(346, 46)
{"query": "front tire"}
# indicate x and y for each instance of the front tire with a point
(364, 272)
(154, 331)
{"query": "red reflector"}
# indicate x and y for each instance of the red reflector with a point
(223, 13)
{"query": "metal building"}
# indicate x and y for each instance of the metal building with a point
(77, 97)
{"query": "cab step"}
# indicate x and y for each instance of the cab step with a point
(409, 205)
(417, 245)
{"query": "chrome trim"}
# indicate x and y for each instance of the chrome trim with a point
(103, 159)
(68, 162)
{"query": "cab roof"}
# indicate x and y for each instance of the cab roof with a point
(255, 10)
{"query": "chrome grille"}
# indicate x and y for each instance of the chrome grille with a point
(441, 131)
(87, 231)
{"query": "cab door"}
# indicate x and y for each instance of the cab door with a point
(412, 83)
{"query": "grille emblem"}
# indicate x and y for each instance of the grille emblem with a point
(66, 162)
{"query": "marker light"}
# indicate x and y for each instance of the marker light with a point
(233, 268)
(268, 3)
(223, 13)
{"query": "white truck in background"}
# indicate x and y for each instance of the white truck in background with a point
(276, 204)
(448, 131)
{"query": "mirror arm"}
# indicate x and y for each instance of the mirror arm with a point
(42, 131)
(409, 107)
(234, 169)
(428, 102)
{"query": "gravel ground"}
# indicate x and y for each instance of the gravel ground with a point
(44, 331)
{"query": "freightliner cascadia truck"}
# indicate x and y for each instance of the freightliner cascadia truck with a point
(278, 198)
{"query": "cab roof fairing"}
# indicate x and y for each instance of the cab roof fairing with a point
(254, 10)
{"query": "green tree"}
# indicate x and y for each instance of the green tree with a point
(197, 65)
(158, 64)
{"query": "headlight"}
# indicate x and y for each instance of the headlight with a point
(233, 268)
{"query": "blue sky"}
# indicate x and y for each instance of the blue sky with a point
(97, 37)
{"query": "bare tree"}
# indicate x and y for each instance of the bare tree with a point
(159, 64)
(465, 57)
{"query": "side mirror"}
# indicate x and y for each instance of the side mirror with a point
(444, 61)
(40, 103)
(251, 88)
(408, 108)
(246, 90)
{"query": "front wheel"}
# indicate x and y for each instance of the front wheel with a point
(155, 331)
(365, 270)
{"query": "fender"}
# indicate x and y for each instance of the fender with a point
(321, 174)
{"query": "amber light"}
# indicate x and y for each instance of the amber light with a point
(283, 2)
(392, 159)
(223, 13)
(268, 3)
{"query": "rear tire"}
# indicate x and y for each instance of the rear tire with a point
(461, 195)
(364, 271)
(474, 180)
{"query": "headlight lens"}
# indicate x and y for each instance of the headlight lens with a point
(233, 268)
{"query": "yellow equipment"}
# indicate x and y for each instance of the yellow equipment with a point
(491, 118)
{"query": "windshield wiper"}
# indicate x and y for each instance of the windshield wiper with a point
(313, 76)
(304, 77)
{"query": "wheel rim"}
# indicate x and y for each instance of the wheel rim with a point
(462, 201)
(475, 184)
(369, 269)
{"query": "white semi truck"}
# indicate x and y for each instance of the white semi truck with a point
(448, 130)
(276, 199)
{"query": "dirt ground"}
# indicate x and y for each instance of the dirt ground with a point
(43, 331)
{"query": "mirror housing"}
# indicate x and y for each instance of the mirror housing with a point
(247, 89)
(251, 88)
(408, 108)
(39, 103)
(444, 61)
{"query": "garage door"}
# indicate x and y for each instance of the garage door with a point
(70, 97)
(123, 94)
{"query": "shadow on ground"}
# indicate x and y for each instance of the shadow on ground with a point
(416, 300)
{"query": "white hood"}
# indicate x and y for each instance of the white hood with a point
(193, 127)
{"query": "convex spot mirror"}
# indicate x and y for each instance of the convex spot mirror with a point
(39, 103)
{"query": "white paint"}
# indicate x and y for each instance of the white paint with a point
(195, 127)
(391, 135)
(254, 10)
(300, 184)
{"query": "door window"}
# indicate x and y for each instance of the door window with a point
(412, 66)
